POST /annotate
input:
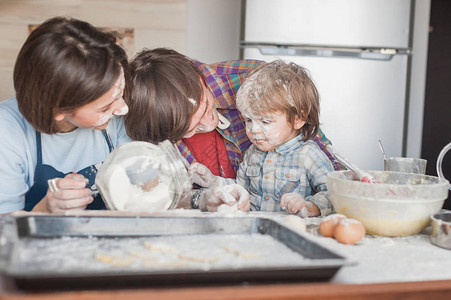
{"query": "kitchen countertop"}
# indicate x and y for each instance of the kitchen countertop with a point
(383, 266)
(385, 259)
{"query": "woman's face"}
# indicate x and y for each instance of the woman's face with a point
(270, 130)
(205, 119)
(98, 113)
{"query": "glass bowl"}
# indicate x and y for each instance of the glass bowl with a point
(400, 205)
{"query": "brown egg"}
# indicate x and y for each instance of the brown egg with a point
(349, 231)
(329, 223)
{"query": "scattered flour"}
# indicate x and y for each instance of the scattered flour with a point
(227, 209)
(384, 259)
(295, 222)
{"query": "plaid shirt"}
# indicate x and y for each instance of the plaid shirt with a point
(295, 166)
(224, 79)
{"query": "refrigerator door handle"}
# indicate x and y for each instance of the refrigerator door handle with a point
(359, 53)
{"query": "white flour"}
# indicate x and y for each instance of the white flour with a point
(129, 197)
(133, 179)
(383, 259)
(182, 252)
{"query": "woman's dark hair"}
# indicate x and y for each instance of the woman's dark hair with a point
(63, 65)
(162, 82)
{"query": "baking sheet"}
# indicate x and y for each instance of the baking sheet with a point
(59, 252)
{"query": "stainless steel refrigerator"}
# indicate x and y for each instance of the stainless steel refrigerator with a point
(358, 54)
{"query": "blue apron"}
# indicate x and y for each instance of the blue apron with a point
(45, 172)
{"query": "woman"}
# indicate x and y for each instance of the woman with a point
(70, 81)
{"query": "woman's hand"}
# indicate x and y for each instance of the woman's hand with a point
(70, 194)
(294, 203)
(232, 194)
(202, 176)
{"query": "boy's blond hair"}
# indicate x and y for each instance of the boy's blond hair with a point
(284, 87)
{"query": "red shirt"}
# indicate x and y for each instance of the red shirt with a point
(209, 149)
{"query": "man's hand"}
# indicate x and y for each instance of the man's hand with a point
(202, 176)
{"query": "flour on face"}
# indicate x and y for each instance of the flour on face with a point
(118, 94)
(268, 131)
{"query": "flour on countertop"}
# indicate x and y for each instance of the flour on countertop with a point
(384, 259)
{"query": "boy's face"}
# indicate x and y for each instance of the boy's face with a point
(268, 131)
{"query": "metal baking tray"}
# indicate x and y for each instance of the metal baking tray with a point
(70, 252)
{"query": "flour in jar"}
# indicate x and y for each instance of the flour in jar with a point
(133, 178)
(130, 197)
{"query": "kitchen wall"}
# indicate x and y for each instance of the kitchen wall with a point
(204, 29)
(208, 30)
(213, 32)
(418, 78)
(437, 104)
(155, 23)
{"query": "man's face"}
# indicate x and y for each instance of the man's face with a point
(205, 119)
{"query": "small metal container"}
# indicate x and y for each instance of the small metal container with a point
(441, 230)
(405, 165)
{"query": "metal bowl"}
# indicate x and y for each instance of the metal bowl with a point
(405, 164)
(441, 230)
(400, 205)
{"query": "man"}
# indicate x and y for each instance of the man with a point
(193, 105)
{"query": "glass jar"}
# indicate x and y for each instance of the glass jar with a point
(141, 176)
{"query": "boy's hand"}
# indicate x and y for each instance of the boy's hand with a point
(212, 198)
(202, 176)
(294, 203)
